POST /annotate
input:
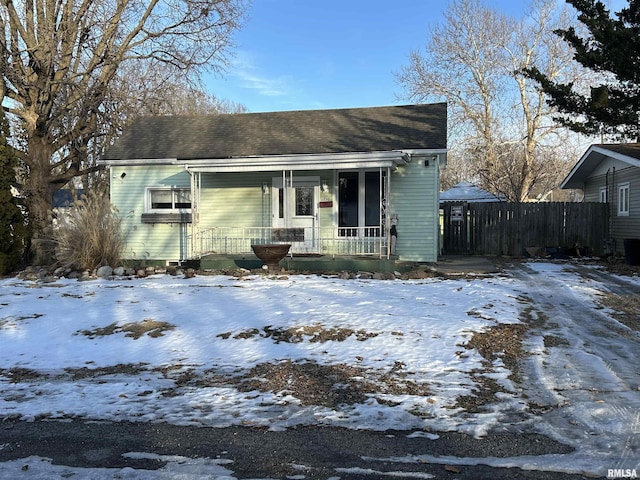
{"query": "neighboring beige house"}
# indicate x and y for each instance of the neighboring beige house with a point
(611, 173)
(330, 182)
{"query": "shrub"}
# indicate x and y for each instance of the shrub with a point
(13, 227)
(88, 235)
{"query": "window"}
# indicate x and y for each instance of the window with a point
(623, 199)
(169, 199)
(604, 195)
(304, 201)
(348, 211)
(361, 199)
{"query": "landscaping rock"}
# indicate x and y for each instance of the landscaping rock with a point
(60, 272)
(86, 275)
(47, 279)
(104, 272)
(119, 271)
(384, 276)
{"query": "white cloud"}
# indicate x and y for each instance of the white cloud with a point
(245, 69)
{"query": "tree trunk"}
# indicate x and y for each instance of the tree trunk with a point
(39, 190)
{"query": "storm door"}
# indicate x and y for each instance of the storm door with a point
(294, 203)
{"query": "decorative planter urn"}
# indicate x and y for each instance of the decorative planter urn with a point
(271, 254)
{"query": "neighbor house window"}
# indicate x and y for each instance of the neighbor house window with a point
(604, 195)
(169, 199)
(623, 199)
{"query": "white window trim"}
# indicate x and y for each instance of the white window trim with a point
(623, 208)
(604, 194)
(147, 206)
(290, 209)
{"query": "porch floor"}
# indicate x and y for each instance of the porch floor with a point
(311, 263)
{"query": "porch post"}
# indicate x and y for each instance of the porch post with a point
(285, 197)
(387, 223)
(195, 211)
(381, 210)
(292, 199)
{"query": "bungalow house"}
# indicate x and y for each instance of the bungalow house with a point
(346, 182)
(610, 173)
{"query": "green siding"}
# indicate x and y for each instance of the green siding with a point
(148, 241)
(237, 200)
(414, 199)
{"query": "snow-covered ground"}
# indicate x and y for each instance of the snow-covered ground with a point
(585, 384)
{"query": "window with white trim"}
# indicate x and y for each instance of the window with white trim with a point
(361, 199)
(168, 200)
(623, 199)
(604, 195)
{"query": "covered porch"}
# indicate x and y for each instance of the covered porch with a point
(322, 204)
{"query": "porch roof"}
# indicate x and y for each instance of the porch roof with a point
(302, 162)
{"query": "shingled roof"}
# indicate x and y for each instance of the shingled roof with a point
(372, 129)
(626, 152)
(628, 149)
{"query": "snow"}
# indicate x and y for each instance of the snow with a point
(51, 328)
(468, 192)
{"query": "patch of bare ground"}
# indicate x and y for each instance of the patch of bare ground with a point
(616, 264)
(310, 383)
(119, 369)
(330, 385)
(626, 308)
(25, 375)
(502, 341)
(135, 330)
(20, 374)
(298, 334)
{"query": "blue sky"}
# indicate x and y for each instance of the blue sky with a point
(312, 54)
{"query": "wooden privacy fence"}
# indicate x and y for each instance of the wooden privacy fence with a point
(505, 228)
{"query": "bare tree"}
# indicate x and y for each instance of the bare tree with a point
(59, 59)
(499, 121)
(145, 88)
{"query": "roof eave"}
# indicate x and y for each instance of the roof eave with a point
(137, 161)
(591, 158)
(327, 161)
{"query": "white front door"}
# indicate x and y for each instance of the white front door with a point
(294, 203)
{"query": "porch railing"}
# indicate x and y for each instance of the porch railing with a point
(317, 240)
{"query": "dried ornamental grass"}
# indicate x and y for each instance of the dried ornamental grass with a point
(88, 235)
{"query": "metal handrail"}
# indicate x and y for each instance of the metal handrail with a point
(311, 240)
